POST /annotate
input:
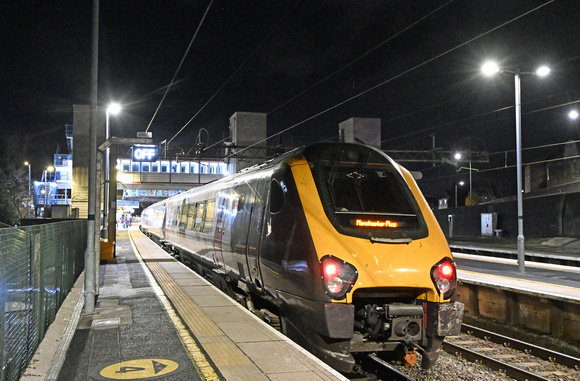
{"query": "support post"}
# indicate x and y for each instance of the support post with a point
(90, 253)
(521, 239)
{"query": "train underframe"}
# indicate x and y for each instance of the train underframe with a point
(394, 328)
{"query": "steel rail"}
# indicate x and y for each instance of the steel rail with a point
(505, 368)
(543, 353)
(397, 376)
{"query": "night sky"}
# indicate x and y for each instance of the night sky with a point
(308, 64)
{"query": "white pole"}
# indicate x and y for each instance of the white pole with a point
(106, 188)
(90, 254)
(521, 239)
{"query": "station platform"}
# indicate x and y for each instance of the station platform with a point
(539, 248)
(157, 319)
(541, 278)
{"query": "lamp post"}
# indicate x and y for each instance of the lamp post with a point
(29, 181)
(461, 183)
(112, 109)
(490, 68)
(458, 157)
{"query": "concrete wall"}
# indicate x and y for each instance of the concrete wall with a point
(80, 183)
(546, 216)
(248, 128)
(361, 130)
(540, 314)
(80, 169)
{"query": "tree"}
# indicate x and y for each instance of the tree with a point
(13, 184)
(13, 193)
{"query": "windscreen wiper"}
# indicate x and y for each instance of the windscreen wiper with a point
(391, 240)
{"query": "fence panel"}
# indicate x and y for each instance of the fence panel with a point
(38, 267)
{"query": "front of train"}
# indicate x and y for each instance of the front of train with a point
(384, 264)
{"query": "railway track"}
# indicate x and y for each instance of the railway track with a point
(514, 358)
(503, 358)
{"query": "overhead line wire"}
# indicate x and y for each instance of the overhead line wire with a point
(230, 78)
(478, 116)
(180, 65)
(402, 74)
(361, 56)
(336, 72)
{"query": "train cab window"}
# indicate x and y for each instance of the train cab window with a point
(276, 197)
(364, 194)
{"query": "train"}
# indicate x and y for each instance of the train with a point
(331, 243)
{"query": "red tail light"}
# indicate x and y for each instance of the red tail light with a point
(444, 277)
(338, 276)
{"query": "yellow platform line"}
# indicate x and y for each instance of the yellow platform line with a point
(200, 362)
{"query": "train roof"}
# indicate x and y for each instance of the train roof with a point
(270, 163)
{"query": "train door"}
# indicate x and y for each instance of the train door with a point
(165, 206)
(219, 230)
(255, 233)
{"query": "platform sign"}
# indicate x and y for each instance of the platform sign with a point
(145, 152)
(139, 369)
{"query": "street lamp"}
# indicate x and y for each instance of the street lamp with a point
(29, 181)
(461, 183)
(573, 114)
(112, 109)
(458, 156)
(490, 68)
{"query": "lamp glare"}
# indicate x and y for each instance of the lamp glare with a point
(543, 71)
(114, 108)
(489, 68)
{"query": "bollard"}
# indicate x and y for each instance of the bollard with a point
(450, 218)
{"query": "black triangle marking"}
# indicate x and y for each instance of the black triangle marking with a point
(158, 366)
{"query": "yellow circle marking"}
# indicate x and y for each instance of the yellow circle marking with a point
(139, 369)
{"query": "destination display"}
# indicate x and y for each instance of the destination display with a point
(376, 223)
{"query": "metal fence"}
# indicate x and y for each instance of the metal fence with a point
(38, 267)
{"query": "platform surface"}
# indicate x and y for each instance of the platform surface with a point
(155, 319)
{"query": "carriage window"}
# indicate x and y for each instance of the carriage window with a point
(276, 196)
(199, 216)
(184, 214)
(191, 216)
(209, 215)
(176, 216)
